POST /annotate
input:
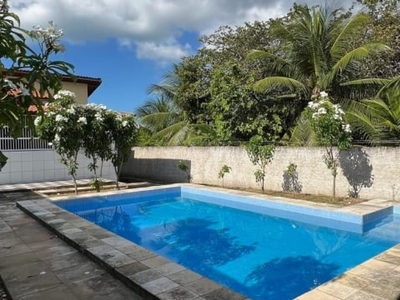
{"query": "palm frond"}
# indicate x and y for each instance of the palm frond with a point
(367, 81)
(355, 55)
(352, 28)
(303, 134)
(278, 82)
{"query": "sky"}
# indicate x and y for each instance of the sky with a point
(132, 44)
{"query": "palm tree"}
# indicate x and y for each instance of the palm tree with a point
(316, 51)
(378, 119)
(165, 121)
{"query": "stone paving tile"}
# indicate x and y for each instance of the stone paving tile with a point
(145, 276)
(101, 287)
(160, 285)
(178, 293)
(55, 251)
(28, 278)
(222, 293)
(361, 295)
(354, 281)
(184, 277)
(169, 268)
(132, 269)
(141, 254)
(383, 290)
(15, 259)
(12, 246)
(79, 272)
(201, 286)
(316, 295)
(156, 261)
(59, 293)
(65, 261)
(338, 290)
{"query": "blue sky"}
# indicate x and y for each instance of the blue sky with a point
(132, 44)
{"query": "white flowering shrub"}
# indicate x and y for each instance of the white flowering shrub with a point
(331, 130)
(327, 120)
(61, 127)
(101, 133)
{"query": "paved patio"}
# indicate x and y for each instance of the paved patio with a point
(36, 264)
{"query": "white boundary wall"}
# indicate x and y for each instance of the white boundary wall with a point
(376, 168)
(44, 165)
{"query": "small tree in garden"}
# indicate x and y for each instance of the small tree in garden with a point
(63, 125)
(97, 139)
(331, 130)
(124, 133)
(260, 155)
(185, 168)
(224, 169)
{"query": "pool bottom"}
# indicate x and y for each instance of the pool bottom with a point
(95, 242)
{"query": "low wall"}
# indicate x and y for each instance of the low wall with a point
(43, 165)
(372, 172)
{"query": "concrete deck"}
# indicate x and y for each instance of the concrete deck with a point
(36, 264)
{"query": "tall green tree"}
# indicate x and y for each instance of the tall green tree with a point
(41, 76)
(316, 53)
(378, 119)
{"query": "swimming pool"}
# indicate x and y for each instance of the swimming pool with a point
(265, 250)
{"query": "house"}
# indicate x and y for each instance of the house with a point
(82, 86)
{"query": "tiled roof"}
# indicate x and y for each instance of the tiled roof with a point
(92, 82)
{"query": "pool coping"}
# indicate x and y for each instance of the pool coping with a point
(155, 277)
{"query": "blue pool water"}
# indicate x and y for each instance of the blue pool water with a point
(258, 255)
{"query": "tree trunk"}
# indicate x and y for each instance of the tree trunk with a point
(334, 187)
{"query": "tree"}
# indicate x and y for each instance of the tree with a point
(19, 90)
(63, 124)
(327, 121)
(124, 132)
(97, 139)
(378, 119)
(260, 155)
(383, 28)
(316, 52)
(239, 112)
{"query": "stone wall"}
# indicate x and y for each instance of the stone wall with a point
(372, 172)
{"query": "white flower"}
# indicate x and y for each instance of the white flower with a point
(56, 138)
(322, 111)
(82, 120)
(124, 123)
(71, 110)
(101, 106)
(346, 128)
(38, 120)
(315, 115)
(323, 94)
(64, 93)
(337, 117)
(98, 116)
(60, 118)
(313, 105)
(50, 144)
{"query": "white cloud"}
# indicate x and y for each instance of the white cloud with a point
(154, 27)
(162, 53)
